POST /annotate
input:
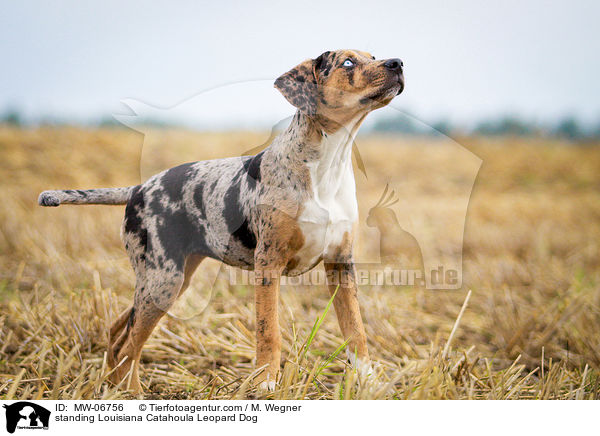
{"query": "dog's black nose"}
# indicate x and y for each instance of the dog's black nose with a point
(393, 64)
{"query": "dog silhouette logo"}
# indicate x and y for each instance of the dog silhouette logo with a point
(26, 415)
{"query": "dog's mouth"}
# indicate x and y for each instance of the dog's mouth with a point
(390, 90)
(401, 85)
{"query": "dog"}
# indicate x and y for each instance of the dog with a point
(279, 212)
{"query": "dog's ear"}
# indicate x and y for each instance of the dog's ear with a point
(299, 85)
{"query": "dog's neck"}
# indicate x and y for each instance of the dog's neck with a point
(327, 152)
(312, 139)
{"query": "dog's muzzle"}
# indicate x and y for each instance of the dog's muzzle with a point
(395, 66)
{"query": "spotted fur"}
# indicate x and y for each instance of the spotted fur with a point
(279, 212)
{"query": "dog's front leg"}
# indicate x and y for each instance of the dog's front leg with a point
(341, 278)
(268, 336)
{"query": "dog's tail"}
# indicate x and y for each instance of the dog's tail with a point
(112, 196)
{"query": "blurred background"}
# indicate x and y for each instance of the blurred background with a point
(492, 151)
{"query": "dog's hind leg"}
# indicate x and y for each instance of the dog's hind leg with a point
(119, 333)
(119, 323)
(151, 302)
(116, 334)
(163, 265)
(121, 327)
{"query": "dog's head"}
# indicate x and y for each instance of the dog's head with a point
(340, 85)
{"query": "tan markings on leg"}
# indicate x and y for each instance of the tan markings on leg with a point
(116, 332)
(279, 240)
(132, 349)
(268, 335)
(150, 303)
(340, 267)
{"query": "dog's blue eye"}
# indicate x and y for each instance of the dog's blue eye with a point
(348, 63)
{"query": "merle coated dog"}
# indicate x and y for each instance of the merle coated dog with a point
(279, 212)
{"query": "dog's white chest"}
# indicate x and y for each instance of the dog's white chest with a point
(331, 211)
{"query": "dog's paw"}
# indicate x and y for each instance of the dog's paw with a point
(47, 198)
(363, 367)
(267, 386)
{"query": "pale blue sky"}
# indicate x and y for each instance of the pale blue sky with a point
(464, 60)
